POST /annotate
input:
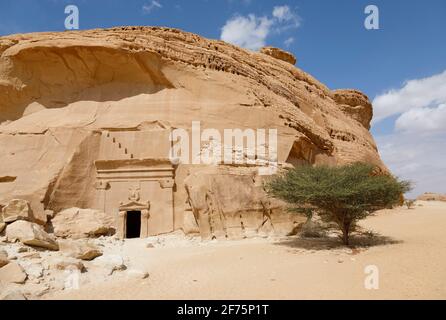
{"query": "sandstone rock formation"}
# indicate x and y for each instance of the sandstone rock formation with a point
(240, 211)
(430, 196)
(86, 120)
(3, 258)
(30, 234)
(12, 295)
(79, 250)
(12, 273)
(110, 263)
(355, 104)
(279, 54)
(17, 209)
(82, 223)
(66, 264)
(36, 272)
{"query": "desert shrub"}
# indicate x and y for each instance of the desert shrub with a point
(343, 195)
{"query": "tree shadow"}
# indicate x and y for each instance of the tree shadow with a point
(358, 242)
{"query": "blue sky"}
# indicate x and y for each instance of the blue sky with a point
(329, 41)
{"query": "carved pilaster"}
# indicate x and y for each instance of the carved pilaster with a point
(145, 216)
(101, 187)
(121, 230)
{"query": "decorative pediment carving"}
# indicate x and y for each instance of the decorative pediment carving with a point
(134, 194)
(134, 205)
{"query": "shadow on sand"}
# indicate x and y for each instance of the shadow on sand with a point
(357, 241)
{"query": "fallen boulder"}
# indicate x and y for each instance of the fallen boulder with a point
(17, 210)
(34, 270)
(79, 249)
(66, 263)
(30, 234)
(12, 273)
(78, 223)
(35, 290)
(110, 263)
(3, 258)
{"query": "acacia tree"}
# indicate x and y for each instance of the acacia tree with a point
(343, 194)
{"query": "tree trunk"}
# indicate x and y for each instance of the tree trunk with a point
(345, 238)
(346, 233)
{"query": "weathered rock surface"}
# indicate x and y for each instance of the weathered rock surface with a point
(429, 196)
(3, 258)
(12, 273)
(82, 223)
(79, 249)
(13, 296)
(138, 274)
(35, 290)
(34, 270)
(241, 211)
(66, 263)
(30, 234)
(2, 224)
(190, 223)
(71, 99)
(279, 54)
(17, 210)
(110, 263)
(355, 104)
(31, 255)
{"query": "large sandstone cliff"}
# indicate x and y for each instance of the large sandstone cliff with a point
(59, 92)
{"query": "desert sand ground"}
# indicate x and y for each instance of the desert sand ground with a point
(410, 255)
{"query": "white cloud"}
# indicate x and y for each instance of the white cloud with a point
(252, 31)
(288, 42)
(285, 14)
(148, 8)
(282, 12)
(423, 120)
(248, 32)
(416, 157)
(415, 94)
(416, 150)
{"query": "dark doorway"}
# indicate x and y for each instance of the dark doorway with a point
(133, 224)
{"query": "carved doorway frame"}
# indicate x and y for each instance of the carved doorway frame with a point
(124, 209)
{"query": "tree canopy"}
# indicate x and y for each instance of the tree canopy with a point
(343, 194)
